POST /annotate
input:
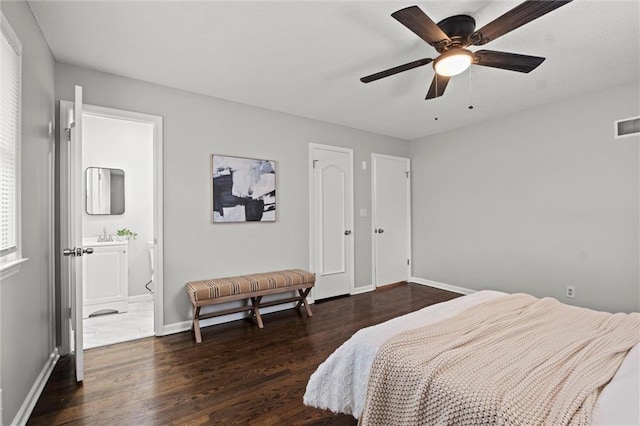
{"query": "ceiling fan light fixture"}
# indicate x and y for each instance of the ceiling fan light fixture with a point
(453, 62)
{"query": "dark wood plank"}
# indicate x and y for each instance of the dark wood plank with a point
(239, 374)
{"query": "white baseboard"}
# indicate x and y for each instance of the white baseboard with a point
(360, 290)
(36, 390)
(176, 327)
(442, 286)
(140, 298)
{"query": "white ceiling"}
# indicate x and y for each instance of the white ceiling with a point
(306, 58)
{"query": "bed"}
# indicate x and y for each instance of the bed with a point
(340, 384)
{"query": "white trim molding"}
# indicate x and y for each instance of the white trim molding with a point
(360, 290)
(36, 390)
(11, 268)
(177, 327)
(442, 286)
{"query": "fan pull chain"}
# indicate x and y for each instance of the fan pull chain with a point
(470, 102)
(435, 99)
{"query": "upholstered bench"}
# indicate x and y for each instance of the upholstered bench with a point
(251, 287)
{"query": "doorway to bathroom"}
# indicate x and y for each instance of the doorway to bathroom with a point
(121, 225)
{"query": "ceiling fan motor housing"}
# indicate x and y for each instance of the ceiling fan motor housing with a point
(458, 28)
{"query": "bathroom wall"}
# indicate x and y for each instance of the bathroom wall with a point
(127, 145)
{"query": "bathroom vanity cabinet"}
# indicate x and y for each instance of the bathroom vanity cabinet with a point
(104, 276)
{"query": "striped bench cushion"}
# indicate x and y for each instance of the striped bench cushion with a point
(221, 287)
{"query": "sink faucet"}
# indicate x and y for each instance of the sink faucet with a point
(104, 237)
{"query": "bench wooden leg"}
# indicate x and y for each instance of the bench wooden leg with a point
(251, 311)
(303, 300)
(301, 297)
(256, 310)
(196, 324)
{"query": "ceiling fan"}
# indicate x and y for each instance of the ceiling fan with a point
(451, 37)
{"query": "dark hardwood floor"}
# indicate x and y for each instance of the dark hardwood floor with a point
(239, 374)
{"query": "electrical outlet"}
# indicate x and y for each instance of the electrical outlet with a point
(570, 291)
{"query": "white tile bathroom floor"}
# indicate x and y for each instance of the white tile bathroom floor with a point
(134, 324)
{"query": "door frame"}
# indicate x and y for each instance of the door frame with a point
(350, 218)
(157, 124)
(374, 199)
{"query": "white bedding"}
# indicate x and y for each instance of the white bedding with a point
(340, 383)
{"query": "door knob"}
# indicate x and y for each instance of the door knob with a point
(72, 252)
(77, 251)
(347, 232)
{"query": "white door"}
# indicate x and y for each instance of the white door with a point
(71, 194)
(332, 219)
(391, 219)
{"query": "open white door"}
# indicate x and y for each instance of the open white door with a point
(391, 219)
(72, 238)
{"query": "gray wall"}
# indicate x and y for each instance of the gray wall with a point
(534, 201)
(27, 337)
(197, 126)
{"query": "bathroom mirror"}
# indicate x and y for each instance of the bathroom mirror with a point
(105, 191)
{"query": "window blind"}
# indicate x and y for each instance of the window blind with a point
(9, 139)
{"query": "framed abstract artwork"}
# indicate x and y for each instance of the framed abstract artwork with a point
(242, 189)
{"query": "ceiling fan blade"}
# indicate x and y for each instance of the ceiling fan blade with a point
(417, 21)
(507, 61)
(516, 17)
(438, 84)
(396, 70)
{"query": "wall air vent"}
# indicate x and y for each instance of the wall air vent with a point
(627, 127)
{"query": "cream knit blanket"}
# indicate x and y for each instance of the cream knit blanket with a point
(514, 360)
